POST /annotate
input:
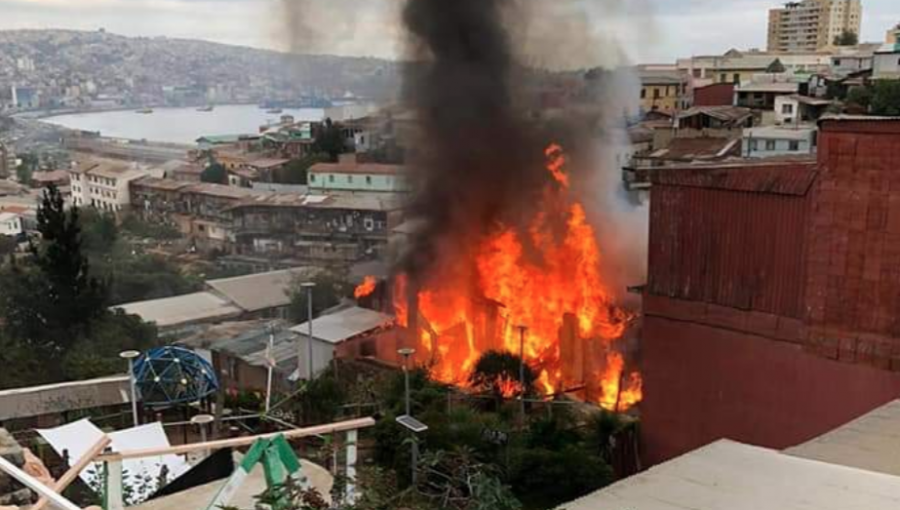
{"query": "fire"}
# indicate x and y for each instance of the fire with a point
(366, 288)
(525, 289)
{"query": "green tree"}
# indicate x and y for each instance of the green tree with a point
(215, 173)
(29, 165)
(497, 373)
(99, 231)
(860, 97)
(329, 140)
(328, 293)
(886, 98)
(846, 38)
(296, 172)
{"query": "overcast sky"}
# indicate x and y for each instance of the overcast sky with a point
(673, 28)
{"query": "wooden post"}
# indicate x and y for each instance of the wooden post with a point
(35, 485)
(350, 493)
(72, 474)
(114, 490)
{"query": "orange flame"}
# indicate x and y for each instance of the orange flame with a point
(534, 277)
(366, 288)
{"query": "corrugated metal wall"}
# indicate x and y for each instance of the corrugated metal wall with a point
(733, 248)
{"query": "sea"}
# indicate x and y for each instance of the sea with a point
(180, 125)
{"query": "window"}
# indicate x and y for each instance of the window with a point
(643, 93)
(312, 177)
(737, 78)
(350, 179)
(787, 109)
(368, 179)
(656, 94)
(754, 145)
(330, 177)
(698, 73)
(723, 78)
(837, 62)
(794, 146)
(770, 145)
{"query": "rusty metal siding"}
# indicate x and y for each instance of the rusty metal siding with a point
(731, 248)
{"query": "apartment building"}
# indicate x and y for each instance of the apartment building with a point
(812, 25)
(103, 186)
(350, 175)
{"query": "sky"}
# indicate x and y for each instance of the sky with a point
(646, 31)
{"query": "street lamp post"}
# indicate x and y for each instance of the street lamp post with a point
(270, 364)
(309, 286)
(407, 353)
(522, 330)
(130, 356)
(201, 421)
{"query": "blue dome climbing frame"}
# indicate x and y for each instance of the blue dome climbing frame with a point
(173, 375)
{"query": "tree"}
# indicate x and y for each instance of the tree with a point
(886, 98)
(329, 140)
(847, 38)
(497, 373)
(296, 172)
(860, 97)
(215, 173)
(27, 167)
(328, 293)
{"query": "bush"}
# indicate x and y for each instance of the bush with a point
(547, 478)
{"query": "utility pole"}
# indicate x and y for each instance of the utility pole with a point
(406, 353)
(309, 286)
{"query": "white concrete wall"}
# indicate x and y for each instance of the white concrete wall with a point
(887, 66)
(323, 353)
(766, 148)
(357, 182)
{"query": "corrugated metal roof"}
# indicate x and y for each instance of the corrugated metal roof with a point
(345, 324)
(56, 398)
(789, 178)
(723, 113)
(173, 311)
(732, 476)
(260, 291)
(871, 442)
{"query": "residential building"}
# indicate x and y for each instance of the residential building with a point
(350, 175)
(788, 290)
(769, 141)
(350, 333)
(7, 161)
(887, 62)
(104, 185)
(10, 224)
(716, 94)
(762, 95)
(335, 229)
(796, 109)
(812, 25)
(59, 178)
(739, 67)
(893, 35)
(261, 295)
(854, 59)
(664, 91)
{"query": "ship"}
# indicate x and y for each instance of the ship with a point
(208, 108)
(275, 110)
(145, 111)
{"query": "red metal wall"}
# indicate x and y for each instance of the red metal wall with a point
(704, 383)
(772, 311)
(720, 94)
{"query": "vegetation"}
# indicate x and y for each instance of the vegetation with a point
(882, 97)
(215, 173)
(135, 226)
(329, 141)
(328, 293)
(58, 325)
(296, 172)
(847, 38)
(29, 165)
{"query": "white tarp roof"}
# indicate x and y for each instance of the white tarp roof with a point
(871, 442)
(345, 324)
(732, 476)
(76, 438)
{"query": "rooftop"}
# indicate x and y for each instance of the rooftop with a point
(729, 475)
(722, 113)
(871, 442)
(221, 190)
(776, 87)
(358, 168)
(697, 148)
(260, 291)
(801, 133)
(161, 184)
(345, 324)
(174, 311)
(356, 202)
(70, 396)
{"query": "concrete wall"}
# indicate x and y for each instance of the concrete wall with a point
(325, 181)
(887, 66)
(763, 149)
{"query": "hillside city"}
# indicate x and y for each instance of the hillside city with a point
(241, 278)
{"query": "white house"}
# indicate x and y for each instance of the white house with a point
(104, 186)
(10, 224)
(796, 109)
(349, 175)
(887, 62)
(769, 141)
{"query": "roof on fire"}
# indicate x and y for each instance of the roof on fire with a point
(871, 442)
(726, 474)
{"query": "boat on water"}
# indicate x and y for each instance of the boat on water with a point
(206, 108)
(145, 111)
(275, 110)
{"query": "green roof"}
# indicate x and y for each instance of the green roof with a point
(219, 139)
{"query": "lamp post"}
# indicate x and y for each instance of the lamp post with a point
(270, 363)
(407, 353)
(522, 329)
(309, 286)
(201, 421)
(130, 356)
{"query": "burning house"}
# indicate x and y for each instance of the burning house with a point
(770, 311)
(503, 253)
